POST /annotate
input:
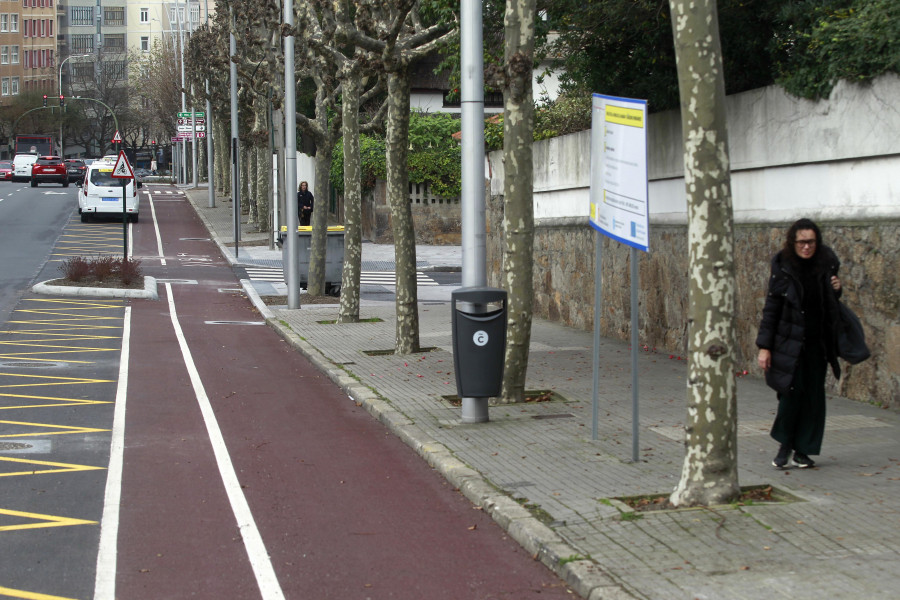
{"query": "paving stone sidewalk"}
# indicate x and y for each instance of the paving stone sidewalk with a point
(536, 468)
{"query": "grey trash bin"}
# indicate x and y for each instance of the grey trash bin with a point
(334, 256)
(479, 340)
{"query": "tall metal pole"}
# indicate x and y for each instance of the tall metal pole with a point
(210, 178)
(474, 273)
(291, 217)
(183, 172)
(211, 191)
(235, 154)
(194, 140)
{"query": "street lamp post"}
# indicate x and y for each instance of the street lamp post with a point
(61, 145)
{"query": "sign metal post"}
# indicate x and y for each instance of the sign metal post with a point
(122, 170)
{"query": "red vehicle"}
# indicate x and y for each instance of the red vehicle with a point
(49, 168)
(6, 170)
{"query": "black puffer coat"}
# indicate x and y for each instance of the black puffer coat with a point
(783, 323)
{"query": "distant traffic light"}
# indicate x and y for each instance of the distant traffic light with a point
(45, 99)
(62, 101)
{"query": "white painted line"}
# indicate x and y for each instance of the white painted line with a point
(256, 549)
(159, 248)
(105, 581)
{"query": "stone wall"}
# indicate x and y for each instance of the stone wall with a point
(564, 288)
(834, 161)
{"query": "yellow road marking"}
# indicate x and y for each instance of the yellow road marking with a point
(62, 337)
(30, 358)
(36, 345)
(67, 328)
(97, 303)
(61, 467)
(23, 595)
(46, 521)
(73, 380)
(56, 402)
(65, 429)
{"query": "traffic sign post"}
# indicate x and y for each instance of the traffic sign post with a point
(122, 170)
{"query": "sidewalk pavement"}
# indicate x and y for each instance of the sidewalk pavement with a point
(536, 469)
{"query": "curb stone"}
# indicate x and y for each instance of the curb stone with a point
(148, 293)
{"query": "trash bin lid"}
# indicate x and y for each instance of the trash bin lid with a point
(309, 228)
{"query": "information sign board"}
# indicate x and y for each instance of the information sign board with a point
(619, 197)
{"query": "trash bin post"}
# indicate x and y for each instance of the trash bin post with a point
(479, 344)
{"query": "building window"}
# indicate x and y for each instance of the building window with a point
(195, 14)
(4, 23)
(114, 16)
(14, 86)
(83, 70)
(14, 23)
(82, 42)
(14, 55)
(4, 55)
(114, 42)
(174, 18)
(145, 15)
(4, 86)
(115, 69)
(43, 27)
(82, 15)
(145, 43)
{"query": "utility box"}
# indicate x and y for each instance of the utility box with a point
(334, 256)
(479, 340)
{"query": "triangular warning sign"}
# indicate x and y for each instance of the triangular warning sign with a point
(122, 168)
(117, 139)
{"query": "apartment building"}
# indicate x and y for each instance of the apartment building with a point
(28, 48)
(45, 44)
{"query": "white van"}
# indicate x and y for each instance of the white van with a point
(22, 166)
(101, 193)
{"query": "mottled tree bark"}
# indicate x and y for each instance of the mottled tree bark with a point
(407, 313)
(709, 472)
(349, 312)
(326, 138)
(518, 203)
(222, 166)
(263, 188)
(252, 186)
(244, 165)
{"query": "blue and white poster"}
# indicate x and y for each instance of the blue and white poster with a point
(619, 199)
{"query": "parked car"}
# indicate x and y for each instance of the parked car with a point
(76, 169)
(6, 170)
(49, 168)
(22, 166)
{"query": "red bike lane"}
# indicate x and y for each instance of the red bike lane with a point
(343, 509)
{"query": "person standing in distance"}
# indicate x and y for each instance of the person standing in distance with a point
(797, 340)
(304, 204)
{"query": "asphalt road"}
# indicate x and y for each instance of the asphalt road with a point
(31, 220)
(229, 466)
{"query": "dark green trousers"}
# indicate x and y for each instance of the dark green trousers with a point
(800, 421)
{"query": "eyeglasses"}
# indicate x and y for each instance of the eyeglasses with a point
(805, 243)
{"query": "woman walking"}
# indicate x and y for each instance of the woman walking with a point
(796, 340)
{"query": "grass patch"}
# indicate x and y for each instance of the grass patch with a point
(335, 321)
(392, 351)
(751, 495)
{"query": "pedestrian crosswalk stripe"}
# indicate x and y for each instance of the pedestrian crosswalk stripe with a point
(275, 275)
